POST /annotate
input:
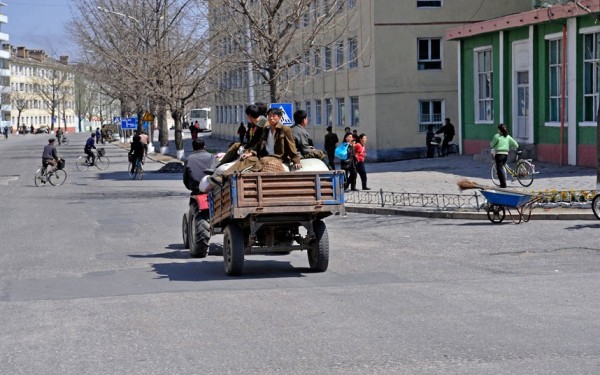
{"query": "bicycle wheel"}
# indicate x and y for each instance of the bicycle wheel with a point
(139, 170)
(82, 163)
(39, 178)
(65, 141)
(494, 173)
(524, 173)
(596, 206)
(102, 162)
(58, 177)
(131, 174)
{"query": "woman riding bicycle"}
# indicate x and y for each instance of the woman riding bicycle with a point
(502, 143)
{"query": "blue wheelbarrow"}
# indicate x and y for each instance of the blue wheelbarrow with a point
(501, 201)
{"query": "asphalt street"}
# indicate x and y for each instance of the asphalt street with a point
(94, 280)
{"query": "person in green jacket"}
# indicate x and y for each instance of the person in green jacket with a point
(502, 143)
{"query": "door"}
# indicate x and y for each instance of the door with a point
(522, 105)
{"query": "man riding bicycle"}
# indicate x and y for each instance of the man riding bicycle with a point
(50, 155)
(136, 152)
(89, 145)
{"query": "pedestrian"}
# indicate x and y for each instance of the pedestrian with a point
(59, 135)
(98, 135)
(349, 164)
(5, 131)
(302, 138)
(31, 129)
(431, 142)
(448, 130)
(241, 132)
(360, 152)
(194, 130)
(355, 135)
(331, 141)
(501, 144)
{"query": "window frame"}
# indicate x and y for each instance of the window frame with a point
(477, 52)
(422, 64)
(430, 3)
(431, 120)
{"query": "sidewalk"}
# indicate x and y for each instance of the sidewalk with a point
(440, 176)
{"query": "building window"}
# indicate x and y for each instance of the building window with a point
(429, 3)
(318, 112)
(352, 53)
(354, 111)
(484, 95)
(339, 54)
(555, 80)
(431, 112)
(327, 58)
(341, 112)
(308, 109)
(328, 112)
(351, 4)
(591, 60)
(317, 60)
(430, 53)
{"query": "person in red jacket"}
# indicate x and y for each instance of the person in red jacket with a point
(360, 151)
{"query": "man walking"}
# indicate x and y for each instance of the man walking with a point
(448, 130)
(331, 141)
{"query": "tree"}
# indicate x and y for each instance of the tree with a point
(148, 52)
(49, 87)
(275, 35)
(20, 102)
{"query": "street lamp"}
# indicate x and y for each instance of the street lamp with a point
(146, 44)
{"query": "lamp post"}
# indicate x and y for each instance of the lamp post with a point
(146, 49)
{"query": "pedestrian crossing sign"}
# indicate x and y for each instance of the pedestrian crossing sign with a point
(286, 108)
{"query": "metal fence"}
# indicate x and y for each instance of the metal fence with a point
(474, 201)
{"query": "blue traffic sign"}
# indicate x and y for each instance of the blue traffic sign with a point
(129, 123)
(116, 119)
(286, 108)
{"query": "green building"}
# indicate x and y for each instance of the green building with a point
(538, 72)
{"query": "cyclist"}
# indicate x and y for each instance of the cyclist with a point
(136, 152)
(89, 145)
(50, 155)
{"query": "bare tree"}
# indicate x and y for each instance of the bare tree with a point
(273, 36)
(20, 102)
(147, 52)
(49, 89)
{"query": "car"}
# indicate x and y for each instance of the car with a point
(42, 130)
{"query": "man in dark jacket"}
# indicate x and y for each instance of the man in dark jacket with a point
(256, 116)
(49, 155)
(195, 165)
(331, 141)
(448, 130)
(136, 152)
(89, 145)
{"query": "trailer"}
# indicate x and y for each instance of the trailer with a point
(262, 212)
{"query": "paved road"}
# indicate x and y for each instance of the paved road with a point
(93, 280)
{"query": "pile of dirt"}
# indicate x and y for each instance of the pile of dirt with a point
(173, 167)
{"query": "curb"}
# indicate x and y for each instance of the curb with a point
(469, 215)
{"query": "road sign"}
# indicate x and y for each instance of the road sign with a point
(116, 119)
(129, 123)
(148, 117)
(286, 108)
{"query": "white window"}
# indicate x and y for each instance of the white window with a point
(431, 112)
(328, 112)
(352, 53)
(429, 53)
(327, 58)
(317, 60)
(351, 4)
(308, 110)
(354, 111)
(484, 93)
(555, 80)
(318, 112)
(591, 60)
(339, 54)
(341, 112)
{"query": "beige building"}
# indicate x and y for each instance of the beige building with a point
(390, 76)
(37, 84)
(4, 72)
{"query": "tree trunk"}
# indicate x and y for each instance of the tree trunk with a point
(164, 128)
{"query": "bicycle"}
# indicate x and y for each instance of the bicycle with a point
(65, 140)
(596, 206)
(55, 176)
(524, 171)
(138, 171)
(102, 161)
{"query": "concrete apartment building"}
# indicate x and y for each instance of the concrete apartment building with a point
(4, 72)
(38, 80)
(390, 76)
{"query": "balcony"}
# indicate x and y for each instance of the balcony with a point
(4, 54)
(4, 72)
(4, 37)
(3, 18)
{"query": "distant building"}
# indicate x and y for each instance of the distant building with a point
(390, 76)
(512, 71)
(38, 83)
(4, 72)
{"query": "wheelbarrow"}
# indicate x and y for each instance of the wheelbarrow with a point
(501, 201)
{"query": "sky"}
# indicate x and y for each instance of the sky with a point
(39, 24)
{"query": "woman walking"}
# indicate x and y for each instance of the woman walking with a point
(502, 143)
(360, 151)
(349, 164)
